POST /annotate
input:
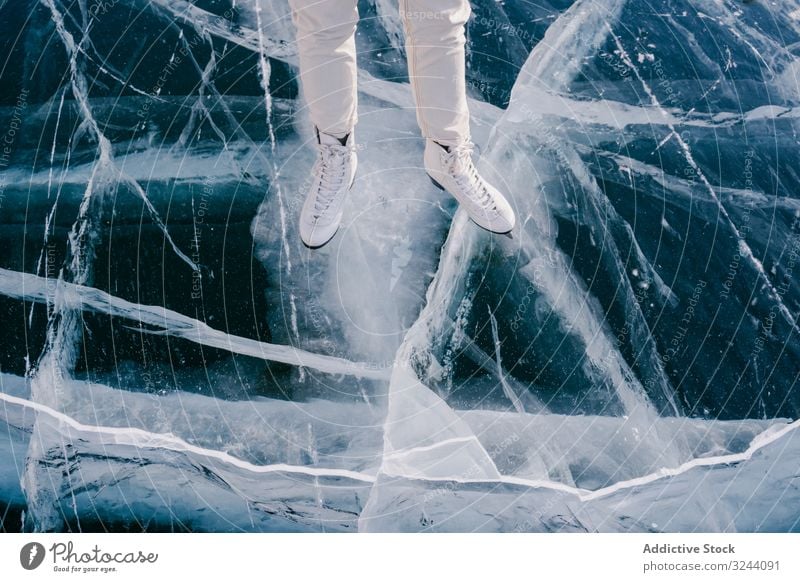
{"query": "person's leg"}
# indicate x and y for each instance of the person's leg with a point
(327, 49)
(435, 39)
(434, 31)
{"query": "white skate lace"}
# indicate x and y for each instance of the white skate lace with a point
(458, 162)
(332, 167)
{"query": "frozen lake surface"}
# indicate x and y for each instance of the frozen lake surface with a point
(174, 359)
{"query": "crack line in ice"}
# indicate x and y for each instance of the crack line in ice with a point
(620, 115)
(200, 110)
(44, 257)
(265, 75)
(405, 381)
(678, 186)
(556, 60)
(743, 247)
(761, 440)
(141, 438)
(146, 439)
(553, 64)
(606, 211)
(30, 287)
(113, 74)
(739, 27)
(105, 161)
(221, 27)
(509, 392)
(436, 445)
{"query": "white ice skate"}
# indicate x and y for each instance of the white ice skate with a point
(333, 175)
(452, 170)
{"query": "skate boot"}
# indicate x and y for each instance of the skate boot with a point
(451, 169)
(332, 177)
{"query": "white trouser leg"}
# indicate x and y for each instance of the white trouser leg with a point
(327, 49)
(434, 31)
